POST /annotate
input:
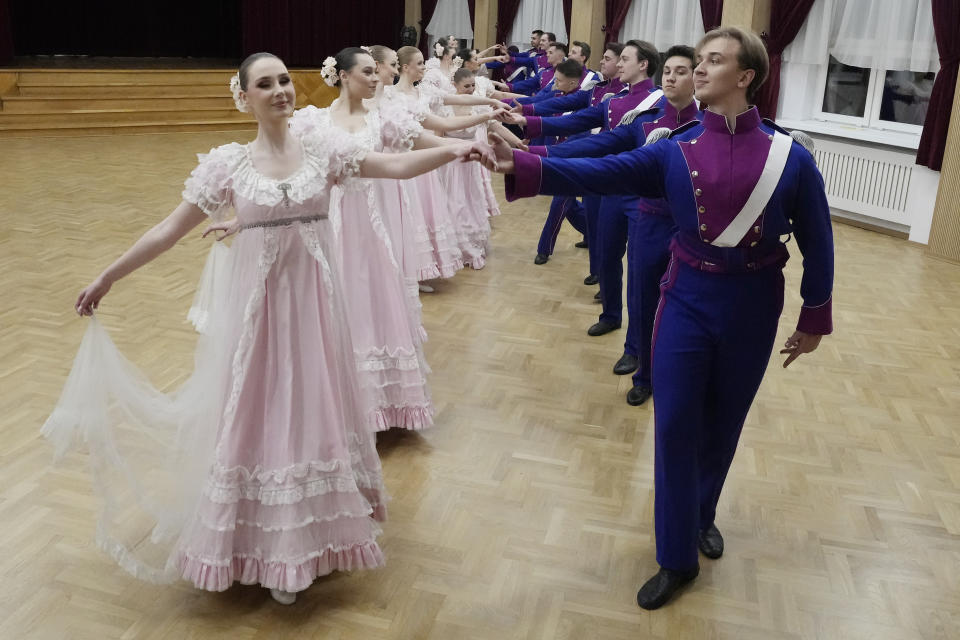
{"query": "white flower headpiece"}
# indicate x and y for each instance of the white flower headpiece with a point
(457, 63)
(235, 89)
(367, 49)
(329, 71)
(438, 49)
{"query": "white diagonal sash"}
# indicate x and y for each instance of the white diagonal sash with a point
(516, 71)
(752, 208)
(647, 103)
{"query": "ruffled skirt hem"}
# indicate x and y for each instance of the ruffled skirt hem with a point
(278, 574)
(410, 418)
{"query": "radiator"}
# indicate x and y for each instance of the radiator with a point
(866, 180)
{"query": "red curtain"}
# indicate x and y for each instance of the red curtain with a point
(427, 7)
(472, 8)
(506, 14)
(786, 18)
(6, 34)
(933, 141)
(616, 15)
(712, 11)
(567, 14)
(304, 32)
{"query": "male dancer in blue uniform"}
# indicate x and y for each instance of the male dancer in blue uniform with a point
(609, 86)
(639, 60)
(650, 224)
(735, 186)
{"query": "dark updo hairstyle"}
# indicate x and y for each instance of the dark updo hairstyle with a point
(462, 73)
(380, 53)
(465, 54)
(244, 71)
(446, 47)
(347, 59)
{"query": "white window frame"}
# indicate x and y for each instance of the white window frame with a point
(871, 118)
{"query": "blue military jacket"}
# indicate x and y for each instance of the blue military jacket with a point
(706, 171)
(624, 138)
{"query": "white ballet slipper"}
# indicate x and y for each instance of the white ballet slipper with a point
(283, 597)
(425, 288)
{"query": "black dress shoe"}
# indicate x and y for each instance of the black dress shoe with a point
(582, 244)
(658, 590)
(711, 542)
(541, 259)
(638, 395)
(597, 296)
(626, 364)
(601, 328)
(591, 279)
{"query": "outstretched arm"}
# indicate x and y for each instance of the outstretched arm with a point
(470, 100)
(638, 172)
(150, 245)
(402, 166)
(456, 123)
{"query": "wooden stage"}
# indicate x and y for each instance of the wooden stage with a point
(527, 512)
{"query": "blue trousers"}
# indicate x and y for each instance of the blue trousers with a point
(712, 341)
(591, 208)
(612, 231)
(561, 207)
(648, 252)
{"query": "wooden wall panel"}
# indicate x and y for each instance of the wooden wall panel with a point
(945, 230)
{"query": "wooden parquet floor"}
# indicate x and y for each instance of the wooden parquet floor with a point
(527, 512)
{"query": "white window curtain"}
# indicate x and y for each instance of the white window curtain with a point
(450, 18)
(546, 15)
(875, 34)
(663, 23)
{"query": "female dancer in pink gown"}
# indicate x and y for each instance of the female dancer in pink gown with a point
(434, 194)
(418, 258)
(385, 324)
(261, 468)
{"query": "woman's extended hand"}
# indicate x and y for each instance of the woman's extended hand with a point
(228, 228)
(503, 155)
(89, 298)
(799, 343)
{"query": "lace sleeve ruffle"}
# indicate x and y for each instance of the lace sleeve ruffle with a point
(399, 127)
(305, 121)
(485, 86)
(209, 184)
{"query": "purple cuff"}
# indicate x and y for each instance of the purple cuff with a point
(534, 128)
(529, 109)
(538, 150)
(510, 86)
(813, 320)
(526, 178)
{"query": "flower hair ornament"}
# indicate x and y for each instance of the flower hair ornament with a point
(367, 49)
(238, 99)
(456, 64)
(329, 71)
(438, 49)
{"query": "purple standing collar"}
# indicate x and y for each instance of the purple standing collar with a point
(745, 122)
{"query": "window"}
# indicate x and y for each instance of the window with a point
(874, 98)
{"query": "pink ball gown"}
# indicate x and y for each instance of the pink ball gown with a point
(436, 84)
(485, 89)
(261, 468)
(384, 321)
(431, 194)
(468, 199)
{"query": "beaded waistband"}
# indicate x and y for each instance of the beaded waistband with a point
(283, 222)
